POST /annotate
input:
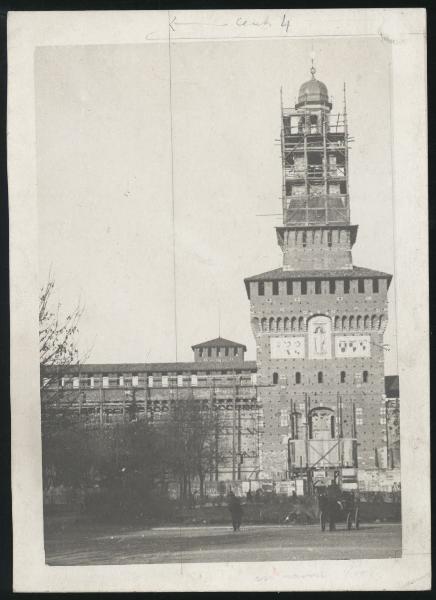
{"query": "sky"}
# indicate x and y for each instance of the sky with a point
(151, 181)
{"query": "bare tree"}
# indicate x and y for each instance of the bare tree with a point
(57, 334)
(58, 344)
(192, 450)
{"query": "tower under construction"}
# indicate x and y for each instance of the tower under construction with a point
(319, 320)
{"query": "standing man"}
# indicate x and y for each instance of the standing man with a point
(333, 495)
(235, 509)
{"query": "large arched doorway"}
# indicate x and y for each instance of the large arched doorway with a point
(321, 423)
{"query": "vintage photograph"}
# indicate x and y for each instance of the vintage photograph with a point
(219, 288)
(206, 395)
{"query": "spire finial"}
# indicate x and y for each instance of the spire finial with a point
(312, 68)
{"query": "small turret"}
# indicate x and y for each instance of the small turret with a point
(219, 350)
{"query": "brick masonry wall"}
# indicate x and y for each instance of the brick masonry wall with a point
(315, 252)
(279, 398)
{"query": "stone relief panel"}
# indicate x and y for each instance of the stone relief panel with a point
(287, 347)
(349, 346)
(320, 337)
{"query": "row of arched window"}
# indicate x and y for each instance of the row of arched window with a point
(220, 351)
(345, 323)
(341, 323)
(279, 324)
(320, 377)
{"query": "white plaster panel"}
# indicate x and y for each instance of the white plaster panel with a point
(352, 346)
(287, 347)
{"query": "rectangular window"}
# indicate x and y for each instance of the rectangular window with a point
(359, 421)
(289, 290)
(297, 190)
(283, 418)
(317, 286)
(135, 380)
(261, 288)
(91, 382)
(121, 380)
(209, 352)
(332, 286)
(105, 382)
(194, 381)
(150, 381)
(346, 286)
(329, 239)
(253, 379)
(275, 288)
(360, 286)
(334, 188)
(227, 351)
(303, 287)
(375, 286)
(75, 382)
(164, 380)
(180, 380)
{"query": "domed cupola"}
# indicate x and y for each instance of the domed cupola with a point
(313, 92)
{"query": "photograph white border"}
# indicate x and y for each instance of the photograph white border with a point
(405, 31)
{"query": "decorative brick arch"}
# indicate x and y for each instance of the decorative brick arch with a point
(321, 423)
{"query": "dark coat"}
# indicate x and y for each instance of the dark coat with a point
(235, 507)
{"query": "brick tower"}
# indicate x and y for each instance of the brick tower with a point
(319, 320)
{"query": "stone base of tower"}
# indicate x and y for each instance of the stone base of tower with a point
(323, 247)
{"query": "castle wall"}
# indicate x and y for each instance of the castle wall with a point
(315, 248)
(292, 379)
